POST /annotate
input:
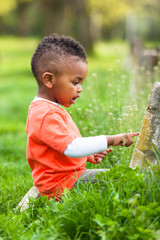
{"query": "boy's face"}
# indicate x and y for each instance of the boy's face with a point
(67, 86)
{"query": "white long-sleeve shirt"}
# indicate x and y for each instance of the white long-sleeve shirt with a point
(86, 146)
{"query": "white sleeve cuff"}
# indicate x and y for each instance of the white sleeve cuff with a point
(86, 146)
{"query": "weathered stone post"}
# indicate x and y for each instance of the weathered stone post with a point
(147, 149)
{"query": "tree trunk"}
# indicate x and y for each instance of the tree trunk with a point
(53, 16)
(22, 23)
(82, 24)
(67, 18)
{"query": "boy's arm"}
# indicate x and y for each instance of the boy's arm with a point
(114, 140)
(86, 146)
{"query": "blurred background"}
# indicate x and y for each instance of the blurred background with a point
(86, 20)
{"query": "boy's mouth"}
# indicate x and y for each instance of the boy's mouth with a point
(74, 98)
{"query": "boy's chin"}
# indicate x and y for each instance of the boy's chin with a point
(66, 105)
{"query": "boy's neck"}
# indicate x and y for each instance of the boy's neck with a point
(41, 98)
(43, 94)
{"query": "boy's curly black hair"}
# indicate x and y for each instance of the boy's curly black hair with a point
(52, 50)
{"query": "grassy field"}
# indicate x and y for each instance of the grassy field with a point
(127, 206)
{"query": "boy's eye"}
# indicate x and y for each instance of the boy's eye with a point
(75, 82)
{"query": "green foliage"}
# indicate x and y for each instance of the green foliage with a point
(108, 209)
(124, 203)
(7, 6)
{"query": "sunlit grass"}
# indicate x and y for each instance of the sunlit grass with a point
(107, 56)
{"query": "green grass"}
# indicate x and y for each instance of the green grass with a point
(125, 203)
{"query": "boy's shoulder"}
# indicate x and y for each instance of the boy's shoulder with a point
(41, 108)
(46, 106)
(42, 112)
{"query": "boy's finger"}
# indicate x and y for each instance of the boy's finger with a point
(100, 155)
(109, 150)
(99, 160)
(103, 154)
(133, 134)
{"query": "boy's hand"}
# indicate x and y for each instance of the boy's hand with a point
(98, 157)
(124, 139)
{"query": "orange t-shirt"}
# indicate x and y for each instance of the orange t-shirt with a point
(50, 129)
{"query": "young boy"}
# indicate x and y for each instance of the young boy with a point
(56, 152)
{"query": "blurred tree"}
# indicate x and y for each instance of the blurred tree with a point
(66, 17)
(6, 6)
(81, 23)
(21, 12)
(20, 7)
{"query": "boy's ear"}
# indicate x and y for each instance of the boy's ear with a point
(48, 79)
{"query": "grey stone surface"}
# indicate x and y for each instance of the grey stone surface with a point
(147, 149)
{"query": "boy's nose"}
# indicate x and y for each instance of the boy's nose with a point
(79, 89)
